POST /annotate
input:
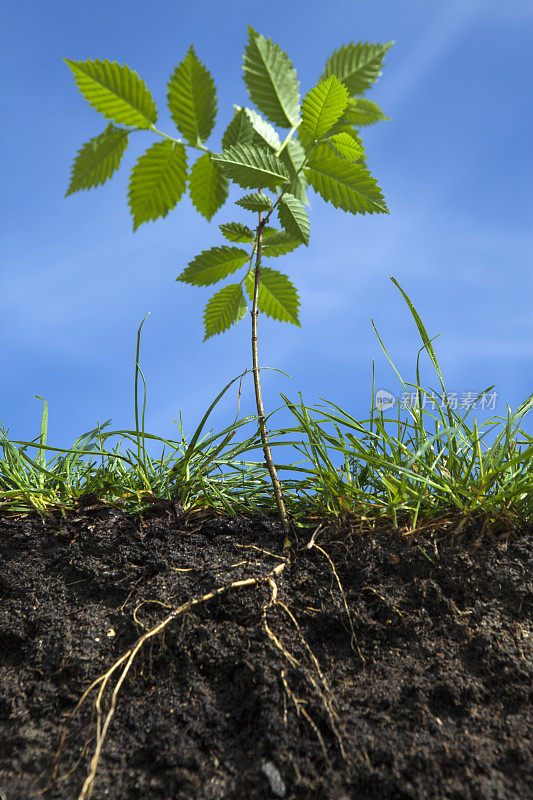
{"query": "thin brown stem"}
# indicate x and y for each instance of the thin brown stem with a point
(257, 384)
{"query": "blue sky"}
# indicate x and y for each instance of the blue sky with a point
(454, 163)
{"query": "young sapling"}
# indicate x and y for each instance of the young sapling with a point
(321, 149)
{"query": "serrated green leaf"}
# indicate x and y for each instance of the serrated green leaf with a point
(251, 166)
(320, 151)
(269, 231)
(225, 308)
(293, 156)
(278, 243)
(277, 297)
(98, 159)
(326, 148)
(115, 91)
(237, 232)
(340, 127)
(239, 131)
(213, 265)
(271, 80)
(255, 202)
(358, 66)
(265, 134)
(346, 185)
(192, 99)
(347, 132)
(157, 181)
(304, 140)
(361, 112)
(293, 217)
(323, 106)
(347, 147)
(208, 186)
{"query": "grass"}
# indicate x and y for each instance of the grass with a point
(423, 467)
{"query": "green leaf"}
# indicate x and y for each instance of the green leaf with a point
(278, 243)
(208, 186)
(239, 131)
(157, 181)
(321, 150)
(192, 99)
(293, 217)
(293, 156)
(225, 308)
(353, 134)
(98, 159)
(237, 232)
(255, 202)
(358, 66)
(264, 132)
(323, 106)
(115, 91)
(277, 297)
(347, 147)
(271, 80)
(361, 112)
(213, 265)
(346, 185)
(251, 166)
(327, 148)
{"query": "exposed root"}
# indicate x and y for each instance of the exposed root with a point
(300, 709)
(320, 686)
(354, 643)
(113, 679)
(126, 661)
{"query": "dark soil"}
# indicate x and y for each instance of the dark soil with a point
(267, 689)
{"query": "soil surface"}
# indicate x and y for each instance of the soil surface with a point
(265, 678)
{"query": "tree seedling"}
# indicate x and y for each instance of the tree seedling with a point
(321, 148)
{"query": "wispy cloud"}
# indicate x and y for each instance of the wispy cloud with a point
(441, 35)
